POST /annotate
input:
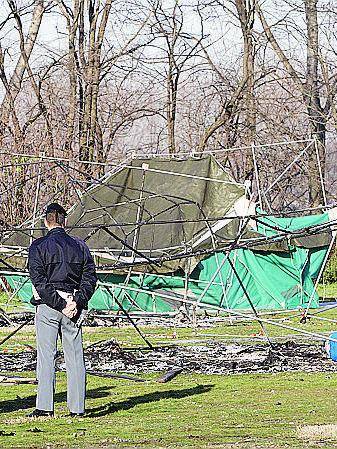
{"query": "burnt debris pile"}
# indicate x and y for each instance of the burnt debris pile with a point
(19, 361)
(210, 358)
(14, 319)
(108, 319)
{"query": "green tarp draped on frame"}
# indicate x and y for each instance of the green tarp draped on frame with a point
(170, 197)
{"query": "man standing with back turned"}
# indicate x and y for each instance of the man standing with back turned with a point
(63, 275)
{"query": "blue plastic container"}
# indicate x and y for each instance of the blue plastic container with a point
(331, 347)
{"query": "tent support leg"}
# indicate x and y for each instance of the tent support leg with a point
(250, 302)
(129, 318)
(16, 330)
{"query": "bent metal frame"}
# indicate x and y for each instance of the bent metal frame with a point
(266, 186)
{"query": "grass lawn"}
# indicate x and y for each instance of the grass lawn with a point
(327, 290)
(193, 411)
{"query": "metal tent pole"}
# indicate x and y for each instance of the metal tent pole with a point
(129, 318)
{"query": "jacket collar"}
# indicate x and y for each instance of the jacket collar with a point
(56, 231)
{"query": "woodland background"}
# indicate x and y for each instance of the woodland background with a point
(99, 80)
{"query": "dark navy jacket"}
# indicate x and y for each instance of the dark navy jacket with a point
(60, 262)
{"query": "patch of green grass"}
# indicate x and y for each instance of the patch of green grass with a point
(193, 411)
(12, 303)
(327, 290)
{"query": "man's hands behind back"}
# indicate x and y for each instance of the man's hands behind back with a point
(71, 309)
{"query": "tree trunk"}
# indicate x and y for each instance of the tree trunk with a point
(88, 141)
(314, 107)
(317, 116)
(246, 12)
(73, 66)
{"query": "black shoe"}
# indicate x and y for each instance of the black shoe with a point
(76, 415)
(40, 413)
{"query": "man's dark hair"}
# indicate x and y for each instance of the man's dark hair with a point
(55, 214)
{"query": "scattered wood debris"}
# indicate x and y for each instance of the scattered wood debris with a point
(207, 358)
(14, 319)
(109, 319)
(19, 361)
(212, 358)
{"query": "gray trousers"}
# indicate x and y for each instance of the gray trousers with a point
(48, 324)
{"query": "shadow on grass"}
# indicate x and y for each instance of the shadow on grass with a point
(13, 405)
(129, 403)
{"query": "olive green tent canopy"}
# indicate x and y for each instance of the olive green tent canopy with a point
(165, 231)
(158, 209)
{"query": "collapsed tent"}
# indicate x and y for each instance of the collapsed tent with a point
(169, 232)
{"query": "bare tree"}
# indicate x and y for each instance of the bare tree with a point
(13, 84)
(313, 91)
(246, 14)
(165, 75)
(238, 109)
(178, 51)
